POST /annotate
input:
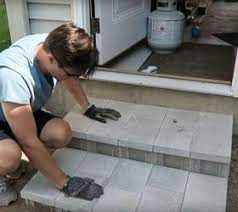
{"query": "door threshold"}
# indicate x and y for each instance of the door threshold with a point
(213, 87)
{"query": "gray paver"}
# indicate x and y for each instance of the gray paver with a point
(156, 200)
(211, 168)
(150, 112)
(140, 133)
(77, 204)
(205, 193)
(124, 108)
(213, 138)
(108, 134)
(168, 178)
(114, 130)
(116, 200)
(39, 189)
(177, 162)
(79, 124)
(99, 165)
(130, 175)
(176, 133)
(69, 159)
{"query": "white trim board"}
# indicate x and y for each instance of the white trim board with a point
(81, 14)
(165, 83)
(235, 77)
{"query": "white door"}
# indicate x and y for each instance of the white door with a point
(122, 24)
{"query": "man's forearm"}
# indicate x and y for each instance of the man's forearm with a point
(77, 91)
(41, 160)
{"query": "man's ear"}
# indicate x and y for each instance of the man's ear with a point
(51, 58)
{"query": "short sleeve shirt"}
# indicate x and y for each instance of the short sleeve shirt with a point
(21, 81)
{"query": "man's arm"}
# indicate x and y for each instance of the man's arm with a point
(77, 91)
(90, 110)
(21, 120)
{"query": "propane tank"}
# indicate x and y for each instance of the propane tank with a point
(165, 27)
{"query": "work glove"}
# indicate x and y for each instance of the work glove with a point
(101, 114)
(84, 188)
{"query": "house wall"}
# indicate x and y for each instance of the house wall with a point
(37, 16)
(18, 21)
(45, 15)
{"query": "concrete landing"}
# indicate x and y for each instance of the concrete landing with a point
(190, 140)
(130, 186)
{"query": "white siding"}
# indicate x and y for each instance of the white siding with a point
(45, 15)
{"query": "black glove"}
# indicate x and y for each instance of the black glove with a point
(100, 114)
(84, 188)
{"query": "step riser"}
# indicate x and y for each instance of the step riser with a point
(35, 206)
(189, 164)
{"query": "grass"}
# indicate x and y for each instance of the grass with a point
(4, 30)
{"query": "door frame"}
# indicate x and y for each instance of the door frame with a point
(234, 87)
(81, 11)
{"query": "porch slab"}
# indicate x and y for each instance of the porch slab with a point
(129, 186)
(182, 138)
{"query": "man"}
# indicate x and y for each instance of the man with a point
(29, 70)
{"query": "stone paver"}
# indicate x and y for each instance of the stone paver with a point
(76, 204)
(130, 175)
(150, 112)
(140, 133)
(176, 133)
(79, 123)
(68, 160)
(117, 200)
(39, 189)
(156, 199)
(100, 165)
(205, 193)
(114, 131)
(212, 138)
(167, 178)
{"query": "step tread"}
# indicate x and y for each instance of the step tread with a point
(129, 186)
(199, 135)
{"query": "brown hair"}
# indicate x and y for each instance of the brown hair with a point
(72, 47)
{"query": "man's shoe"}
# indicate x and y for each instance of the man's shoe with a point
(7, 193)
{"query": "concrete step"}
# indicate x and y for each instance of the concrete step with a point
(129, 186)
(189, 140)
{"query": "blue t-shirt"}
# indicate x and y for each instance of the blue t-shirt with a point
(20, 79)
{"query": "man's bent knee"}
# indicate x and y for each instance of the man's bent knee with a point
(56, 133)
(10, 156)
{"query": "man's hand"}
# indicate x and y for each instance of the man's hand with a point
(101, 114)
(84, 188)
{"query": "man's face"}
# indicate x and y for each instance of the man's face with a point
(62, 73)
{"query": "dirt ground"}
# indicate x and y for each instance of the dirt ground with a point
(232, 194)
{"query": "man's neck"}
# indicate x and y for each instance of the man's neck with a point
(40, 56)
